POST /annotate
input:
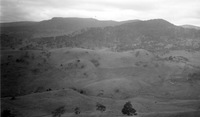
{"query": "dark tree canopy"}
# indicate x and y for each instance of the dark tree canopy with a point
(59, 111)
(100, 107)
(6, 113)
(128, 109)
(77, 110)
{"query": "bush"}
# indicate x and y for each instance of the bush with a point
(78, 90)
(128, 109)
(195, 75)
(100, 107)
(59, 111)
(39, 89)
(95, 62)
(82, 92)
(117, 90)
(13, 98)
(49, 89)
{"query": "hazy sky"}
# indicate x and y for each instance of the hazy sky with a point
(176, 11)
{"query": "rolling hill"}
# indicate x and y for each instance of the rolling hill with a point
(42, 81)
(69, 63)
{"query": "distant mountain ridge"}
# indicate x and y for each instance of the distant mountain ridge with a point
(55, 26)
(191, 26)
(152, 35)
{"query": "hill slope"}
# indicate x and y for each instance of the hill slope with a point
(152, 35)
(42, 81)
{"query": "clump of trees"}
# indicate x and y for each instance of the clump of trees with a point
(49, 89)
(6, 113)
(195, 75)
(78, 90)
(128, 109)
(77, 111)
(20, 60)
(58, 112)
(100, 107)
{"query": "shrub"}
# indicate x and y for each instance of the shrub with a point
(137, 53)
(170, 58)
(35, 70)
(116, 90)
(39, 89)
(128, 109)
(78, 90)
(82, 92)
(13, 98)
(59, 111)
(100, 107)
(100, 93)
(95, 62)
(49, 89)
(194, 75)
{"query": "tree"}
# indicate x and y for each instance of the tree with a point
(100, 107)
(59, 111)
(77, 110)
(13, 98)
(6, 113)
(128, 109)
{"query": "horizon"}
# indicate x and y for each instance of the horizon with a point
(98, 20)
(178, 12)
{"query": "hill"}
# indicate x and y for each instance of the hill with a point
(191, 26)
(42, 81)
(152, 35)
(46, 69)
(54, 27)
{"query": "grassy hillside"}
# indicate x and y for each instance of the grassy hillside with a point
(35, 83)
(84, 67)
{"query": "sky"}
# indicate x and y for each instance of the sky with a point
(178, 12)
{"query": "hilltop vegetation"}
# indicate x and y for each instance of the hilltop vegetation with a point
(153, 35)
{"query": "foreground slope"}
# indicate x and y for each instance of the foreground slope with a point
(165, 85)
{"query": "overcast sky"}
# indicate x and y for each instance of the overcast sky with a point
(178, 12)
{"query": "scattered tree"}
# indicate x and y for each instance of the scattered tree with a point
(78, 90)
(82, 92)
(170, 58)
(117, 91)
(49, 89)
(128, 109)
(100, 93)
(13, 98)
(59, 111)
(100, 107)
(95, 62)
(77, 110)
